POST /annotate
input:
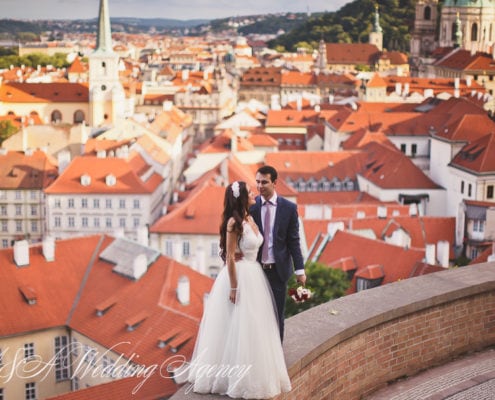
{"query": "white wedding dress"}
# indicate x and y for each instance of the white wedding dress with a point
(238, 350)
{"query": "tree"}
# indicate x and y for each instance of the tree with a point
(325, 282)
(7, 129)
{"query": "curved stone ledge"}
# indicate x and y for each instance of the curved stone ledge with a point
(350, 347)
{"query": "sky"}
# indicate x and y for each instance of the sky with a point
(175, 9)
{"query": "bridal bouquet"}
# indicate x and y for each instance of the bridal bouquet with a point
(300, 294)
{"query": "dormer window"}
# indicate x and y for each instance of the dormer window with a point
(85, 180)
(133, 322)
(110, 180)
(28, 294)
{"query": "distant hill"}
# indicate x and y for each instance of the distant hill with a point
(353, 23)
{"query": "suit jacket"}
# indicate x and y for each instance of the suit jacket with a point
(286, 244)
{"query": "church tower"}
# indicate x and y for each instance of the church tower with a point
(376, 35)
(477, 23)
(106, 94)
(321, 60)
(423, 38)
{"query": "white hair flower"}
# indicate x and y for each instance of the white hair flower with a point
(236, 190)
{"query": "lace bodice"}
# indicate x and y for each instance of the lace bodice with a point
(250, 242)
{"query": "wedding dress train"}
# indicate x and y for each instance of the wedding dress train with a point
(238, 350)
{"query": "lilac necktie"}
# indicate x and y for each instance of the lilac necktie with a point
(266, 231)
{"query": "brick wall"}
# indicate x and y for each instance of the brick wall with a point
(350, 347)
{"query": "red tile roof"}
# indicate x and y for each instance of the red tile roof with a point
(398, 263)
(69, 291)
(27, 171)
(127, 180)
(199, 213)
(351, 53)
(477, 156)
(59, 92)
(391, 169)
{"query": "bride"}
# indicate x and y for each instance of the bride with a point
(238, 350)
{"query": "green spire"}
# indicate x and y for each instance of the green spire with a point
(377, 28)
(104, 36)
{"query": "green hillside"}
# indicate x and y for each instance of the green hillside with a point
(353, 23)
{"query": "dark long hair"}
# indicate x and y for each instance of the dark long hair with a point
(233, 207)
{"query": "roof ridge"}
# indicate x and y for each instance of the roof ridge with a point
(85, 279)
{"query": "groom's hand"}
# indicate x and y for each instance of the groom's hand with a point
(238, 256)
(301, 279)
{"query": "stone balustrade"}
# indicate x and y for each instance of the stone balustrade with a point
(349, 347)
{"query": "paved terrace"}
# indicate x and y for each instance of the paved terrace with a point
(353, 347)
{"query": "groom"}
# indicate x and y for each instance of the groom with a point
(280, 254)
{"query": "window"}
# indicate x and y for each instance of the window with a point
(57, 203)
(96, 203)
(57, 222)
(71, 222)
(469, 190)
(473, 253)
(108, 222)
(414, 149)
(18, 210)
(34, 226)
(84, 222)
(18, 226)
(122, 222)
(462, 187)
(108, 203)
(489, 192)
(427, 13)
(28, 350)
(62, 361)
(1, 357)
(34, 194)
(122, 203)
(3, 209)
(70, 203)
(186, 249)
(75, 347)
(30, 391)
(169, 248)
(478, 225)
(18, 195)
(1, 394)
(403, 148)
(34, 211)
(84, 203)
(96, 222)
(135, 222)
(135, 203)
(5, 243)
(5, 226)
(214, 249)
(108, 366)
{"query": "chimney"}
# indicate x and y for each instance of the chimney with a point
(430, 256)
(185, 74)
(139, 266)
(48, 248)
(167, 105)
(443, 253)
(183, 289)
(469, 80)
(21, 253)
(398, 89)
(381, 212)
(63, 160)
(142, 236)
